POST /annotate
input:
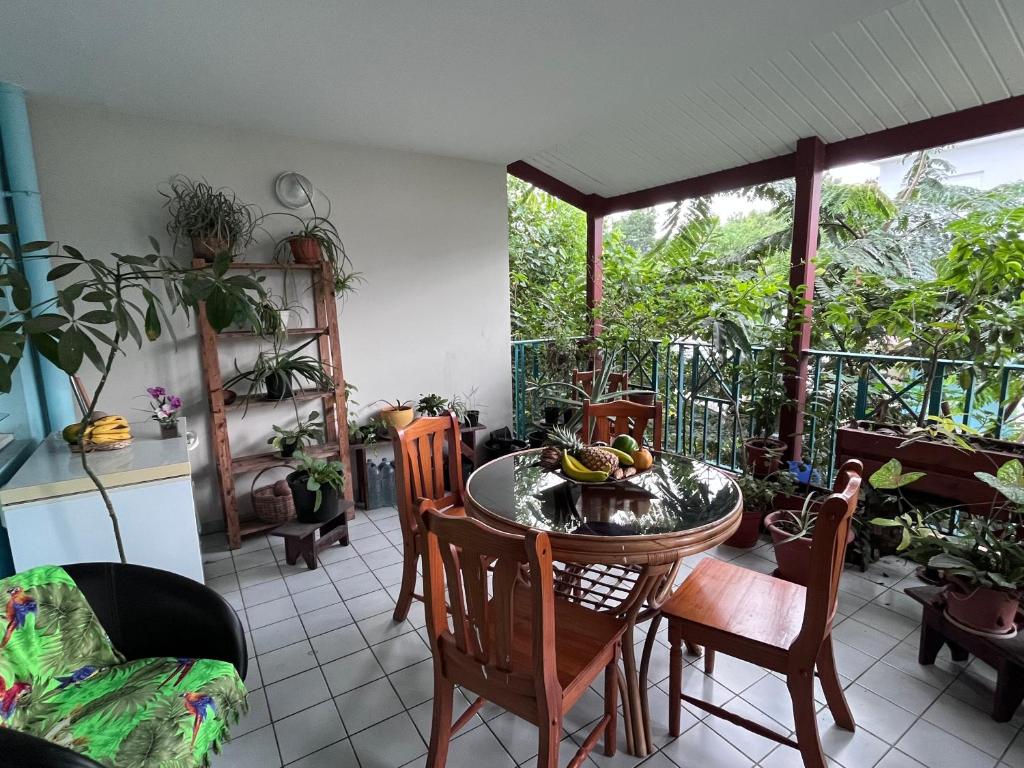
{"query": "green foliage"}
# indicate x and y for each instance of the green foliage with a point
(286, 367)
(319, 473)
(432, 405)
(308, 429)
(198, 210)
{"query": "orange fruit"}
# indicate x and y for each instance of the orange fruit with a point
(642, 459)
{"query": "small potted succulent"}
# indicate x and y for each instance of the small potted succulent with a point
(397, 413)
(759, 495)
(165, 409)
(288, 441)
(316, 485)
(213, 220)
(432, 405)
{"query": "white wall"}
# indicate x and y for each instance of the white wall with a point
(428, 233)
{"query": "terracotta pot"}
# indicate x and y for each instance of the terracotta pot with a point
(764, 455)
(398, 417)
(984, 610)
(747, 534)
(305, 250)
(207, 248)
(793, 557)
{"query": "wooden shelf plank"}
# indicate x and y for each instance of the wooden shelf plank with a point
(271, 265)
(254, 526)
(299, 397)
(253, 335)
(254, 462)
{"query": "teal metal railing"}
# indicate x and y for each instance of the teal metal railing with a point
(698, 389)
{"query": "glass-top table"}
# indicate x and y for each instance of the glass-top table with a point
(618, 546)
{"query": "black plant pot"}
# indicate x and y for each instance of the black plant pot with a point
(537, 438)
(551, 414)
(288, 448)
(473, 418)
(567, 415)
(305, 500)
(278, 386)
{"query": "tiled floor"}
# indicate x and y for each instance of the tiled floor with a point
(334, 682)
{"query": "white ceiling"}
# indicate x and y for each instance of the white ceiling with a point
(608, 95)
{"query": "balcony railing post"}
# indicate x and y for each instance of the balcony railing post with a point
(595, 277)
(810, 166)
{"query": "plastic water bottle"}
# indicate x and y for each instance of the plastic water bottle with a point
(373, 487)
(387, 483)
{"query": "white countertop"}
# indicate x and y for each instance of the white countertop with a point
(53, 470)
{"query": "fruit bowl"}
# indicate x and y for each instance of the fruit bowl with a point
(610, 481)
(594, 464)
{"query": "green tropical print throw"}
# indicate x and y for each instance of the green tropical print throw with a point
(62, 680)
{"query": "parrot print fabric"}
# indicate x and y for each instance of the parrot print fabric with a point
(62, 680)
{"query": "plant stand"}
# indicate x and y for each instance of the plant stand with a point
(334, 407)
(1006, 656)
(301, 539)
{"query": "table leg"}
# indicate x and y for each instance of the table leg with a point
(645, 664)
(633, 713)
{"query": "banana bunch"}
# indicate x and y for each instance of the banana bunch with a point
(101, 431)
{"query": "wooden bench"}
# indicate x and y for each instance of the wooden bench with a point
(1006, 656)
(301, 539)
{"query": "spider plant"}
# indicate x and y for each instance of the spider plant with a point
(318, 236)
(213, 219)
(275, 374)
(287, 441)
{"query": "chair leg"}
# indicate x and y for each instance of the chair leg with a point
(409, 559)
(834, 696)
(801, 689)
(675, 679)
(441, 727)
(709, 661)
(550, 738)
(611, 690)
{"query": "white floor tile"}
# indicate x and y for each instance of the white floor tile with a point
(401, 652)
(338, 755)
(317, 597)
(904, 690)
(368, 705)
(270, 613)
(274, 636)
(297, 693)
(938, 749)
(389, 744)
(287, 661)
(972, 725)
(878, 715)
(325, 619)
(308, 731)
(701, 747)
(370, 605)
(253, 750)
(337, 643)
(352, 671)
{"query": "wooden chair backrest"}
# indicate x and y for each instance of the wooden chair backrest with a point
(602, 421)
(483, 571)
(585, 380)
(419, 466)
(828, 555)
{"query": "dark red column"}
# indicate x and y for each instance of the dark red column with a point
(595, 270)
(810, 165)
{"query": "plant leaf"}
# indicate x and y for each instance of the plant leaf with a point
(891, 476)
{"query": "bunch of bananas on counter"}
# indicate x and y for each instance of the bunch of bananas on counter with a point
(102, 430)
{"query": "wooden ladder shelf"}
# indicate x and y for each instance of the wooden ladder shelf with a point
(335, 409)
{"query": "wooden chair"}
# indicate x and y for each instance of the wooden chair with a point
(617, 382)
(419, 474)
(602, 421)
(511, 641)
(784, 627)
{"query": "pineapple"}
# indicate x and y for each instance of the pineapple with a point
(590, 456)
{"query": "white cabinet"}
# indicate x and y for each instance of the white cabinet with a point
(54, 515)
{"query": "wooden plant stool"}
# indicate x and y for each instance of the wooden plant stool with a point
(301, 539)
(1005, 655)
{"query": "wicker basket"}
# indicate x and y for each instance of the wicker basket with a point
(269, 507)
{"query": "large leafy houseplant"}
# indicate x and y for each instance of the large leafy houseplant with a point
(212, 219)
(981, 555)
(103, 307)
(316, 486)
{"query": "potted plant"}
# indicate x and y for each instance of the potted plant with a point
(214, 221)
(316, 485)
(791, 531)
(276, 374)
(315, 239)
(979, 556)
(362, 434)
(165, 409)
(432, 405)
(759, 495)
(397, 414)
(762, 451)
(288, 441)
(103, 306)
